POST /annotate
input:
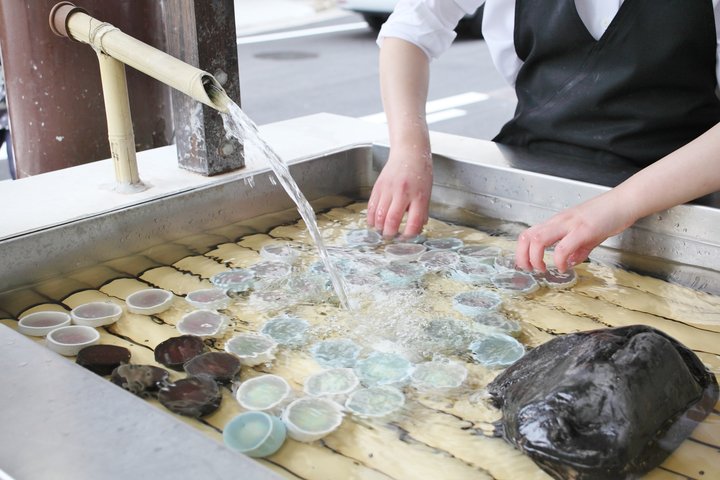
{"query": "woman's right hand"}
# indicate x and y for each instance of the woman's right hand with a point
(404, 185)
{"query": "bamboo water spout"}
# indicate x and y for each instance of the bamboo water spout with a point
(116, 49)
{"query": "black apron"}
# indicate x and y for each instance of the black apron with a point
(644, 89)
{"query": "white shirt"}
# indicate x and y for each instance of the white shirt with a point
(429, 24)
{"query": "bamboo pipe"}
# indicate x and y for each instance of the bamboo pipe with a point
(68, 20)
(119, 122)
(116, 49)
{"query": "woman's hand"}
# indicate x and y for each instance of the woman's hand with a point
(575, 232)
(404, 185)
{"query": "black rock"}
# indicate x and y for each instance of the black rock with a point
(139, 379)
(604, 404)
(191, 396)
(102, 359)
(175, 351)
(220, 366)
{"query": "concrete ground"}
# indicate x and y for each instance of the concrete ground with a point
(252, 17)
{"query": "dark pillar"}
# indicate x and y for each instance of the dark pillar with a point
(55, 101)
(202, 33)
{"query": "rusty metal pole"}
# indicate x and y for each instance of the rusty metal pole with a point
(202, 33)
(54, 93)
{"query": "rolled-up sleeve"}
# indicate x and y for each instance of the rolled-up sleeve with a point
(428, 24)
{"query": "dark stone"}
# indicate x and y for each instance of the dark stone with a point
(102, 359)
(220, 366)
(191, 396)
(174, 352)
(139, 379)
(604, 404)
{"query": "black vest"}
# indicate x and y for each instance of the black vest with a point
(644, 89)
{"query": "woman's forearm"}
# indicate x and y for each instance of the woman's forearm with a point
(688, 173)
(404, 78)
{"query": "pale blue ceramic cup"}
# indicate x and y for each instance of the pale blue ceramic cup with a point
(255, 434)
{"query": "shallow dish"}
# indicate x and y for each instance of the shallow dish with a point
(401, 274)
(404, 252)
(96, 314)
(191, 396)
(279, 253)
(149, 301)
(340, 352)
(175, 351)
(473, 270)
(497, 350)
(363, 238)
(554, 279)
(438, 376)
(436, 260)
(270, 273)
(69, 340)
(476, 302)
(498, 322)
(39, 324)
(263, 393)
(335, 381)
(443, 243)
(480, 251)
(375, 402)
(220, 366)
(255, 434)
(382, 368)
(208, 299)
(252, 348)
(311, 418)
(102, 359)
(202, 323)
(237, 280)
(139, 379)
(515, 282)
(286, 330)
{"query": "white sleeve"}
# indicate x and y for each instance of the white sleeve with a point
(428, 24)
(498, 30)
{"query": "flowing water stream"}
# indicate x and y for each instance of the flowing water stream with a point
(241, 127)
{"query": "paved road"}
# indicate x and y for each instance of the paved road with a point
(331, 66)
